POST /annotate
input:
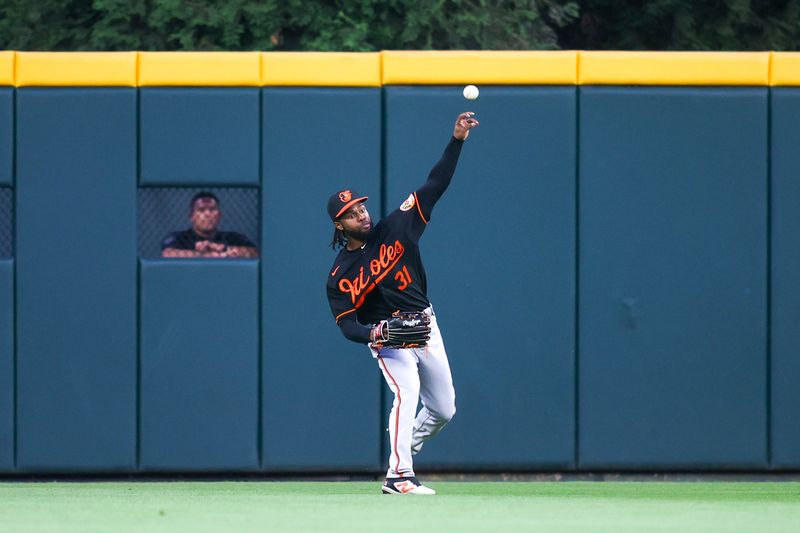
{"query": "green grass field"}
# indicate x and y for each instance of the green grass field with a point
(358, 506)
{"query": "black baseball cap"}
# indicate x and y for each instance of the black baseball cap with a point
(341, 201)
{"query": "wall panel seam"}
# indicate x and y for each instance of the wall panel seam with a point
(261, 266)
(14, 332)
(576, 316)
(768, 273)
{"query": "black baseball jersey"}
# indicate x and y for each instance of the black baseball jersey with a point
(185, 240)
(386, 275)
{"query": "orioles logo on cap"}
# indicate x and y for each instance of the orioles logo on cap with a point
(345, 196)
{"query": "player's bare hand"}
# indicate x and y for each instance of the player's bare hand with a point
(464, 123)
(201, 246)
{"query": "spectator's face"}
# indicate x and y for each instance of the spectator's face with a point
(205, 216)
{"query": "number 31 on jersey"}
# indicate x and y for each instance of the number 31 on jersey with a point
(404, 278)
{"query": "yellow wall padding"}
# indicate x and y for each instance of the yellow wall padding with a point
(333, 69)
(199, 68)
(373, 69)
(785, 68)
(456, 67)
(6, 68)
(673, 68)
(73, 69)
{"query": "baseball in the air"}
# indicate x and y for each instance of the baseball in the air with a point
(471, 92)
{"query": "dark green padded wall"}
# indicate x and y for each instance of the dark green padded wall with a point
(785, 277)
(672, 279)
(199, 365)
(673, 255)
(6, 135)
(321, 392)
(76, 279)
(199, 136)
(6, 365)
(500, 246)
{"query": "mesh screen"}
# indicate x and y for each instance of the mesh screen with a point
(163, 210)
(6, 228)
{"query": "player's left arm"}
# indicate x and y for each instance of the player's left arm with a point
(442, 172)
(345, 314)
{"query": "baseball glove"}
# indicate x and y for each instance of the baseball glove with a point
(409, 329)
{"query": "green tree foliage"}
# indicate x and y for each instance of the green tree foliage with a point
(365, 25)
(433, 24)
(346, 25)
(684, 25)
(138, 24)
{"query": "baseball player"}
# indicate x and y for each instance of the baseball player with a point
(377, 291)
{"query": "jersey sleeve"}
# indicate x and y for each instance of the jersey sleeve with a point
(409, 218)
(415, 212)
(438, 179)
(344, 312)
(341, 305)
(355, 331)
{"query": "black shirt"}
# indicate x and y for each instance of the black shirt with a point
(368, 284)
(185, 240)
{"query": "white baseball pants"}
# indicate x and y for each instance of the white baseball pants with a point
(414, 374)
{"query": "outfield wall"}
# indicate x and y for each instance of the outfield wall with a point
(614, 266)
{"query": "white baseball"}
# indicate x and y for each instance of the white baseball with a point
(471, 92)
